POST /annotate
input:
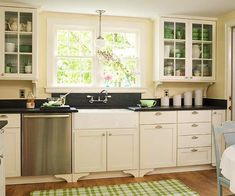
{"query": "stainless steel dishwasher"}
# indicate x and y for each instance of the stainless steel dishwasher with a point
(46, 144)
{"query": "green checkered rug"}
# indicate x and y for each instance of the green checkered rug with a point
(164, 187)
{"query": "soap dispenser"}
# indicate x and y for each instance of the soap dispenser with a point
(165, 99)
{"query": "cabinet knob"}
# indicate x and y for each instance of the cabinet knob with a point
(158, 127)
(194, 125)
(103, 134)
(158, 113)
(194, 112)
(194, 150)
(186, 77)
(215, 113)
(194, 137)
(191, 77)
(2, 74)
(110, 134)
(3, 116)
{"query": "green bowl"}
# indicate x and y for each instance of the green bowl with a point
(148, 103)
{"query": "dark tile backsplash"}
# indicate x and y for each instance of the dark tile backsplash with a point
(118, 100)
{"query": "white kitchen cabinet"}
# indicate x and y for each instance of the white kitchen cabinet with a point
(158, 146)
(105, 140)
(2, 167)
(218, 118)
(12, 145)
(2, 173)
(122, 149)
(18, 38)
(194, 137)
(101, 150)
(186, 50)
(89, 151)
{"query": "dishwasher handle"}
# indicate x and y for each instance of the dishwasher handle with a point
(46, 116)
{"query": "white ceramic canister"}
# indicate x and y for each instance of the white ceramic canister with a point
(188, 97)
(165, 101)
(196, 51)
(177, 100)
(198, 97)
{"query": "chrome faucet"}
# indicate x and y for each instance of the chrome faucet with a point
(99, 100)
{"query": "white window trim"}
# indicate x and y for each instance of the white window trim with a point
(54, 23)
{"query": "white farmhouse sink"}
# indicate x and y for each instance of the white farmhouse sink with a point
(105, 118)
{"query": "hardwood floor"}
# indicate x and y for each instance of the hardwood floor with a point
(203, 182)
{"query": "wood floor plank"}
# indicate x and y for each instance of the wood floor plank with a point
(203, 182)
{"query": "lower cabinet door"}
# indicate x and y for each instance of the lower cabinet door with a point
(12, 152)
(218, 118)
(89, 151)
(2, 174)
(122, 149)
(194, 156)
(157, 146)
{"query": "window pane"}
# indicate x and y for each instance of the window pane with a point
(74, 43)
(119, 60)
(74, 71)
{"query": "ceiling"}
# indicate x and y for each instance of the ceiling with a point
(137, 8)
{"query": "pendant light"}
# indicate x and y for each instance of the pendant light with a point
(100, 42)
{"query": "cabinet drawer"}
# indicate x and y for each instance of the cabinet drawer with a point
(194, 128)
(194, 116)
(194, 156)
(158, 117)
(194, 141)
(13, 119)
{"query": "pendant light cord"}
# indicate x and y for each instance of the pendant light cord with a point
(100, 12)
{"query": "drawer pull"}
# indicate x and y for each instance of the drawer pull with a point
(194, 125)
(194, 137)
(1, 131)
(194, 150)
(3, 116)
(158, 127)
(110, 134)
(158, 113)
(194, 112)
(103, 134)
(215, 113)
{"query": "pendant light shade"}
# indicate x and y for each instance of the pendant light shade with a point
(100, 42)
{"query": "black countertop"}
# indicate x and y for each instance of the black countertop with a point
(173, 108)
(38, 110)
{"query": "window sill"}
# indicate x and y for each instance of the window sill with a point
(93, 90)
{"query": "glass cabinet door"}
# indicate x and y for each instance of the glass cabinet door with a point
(18, 42)
(202, 45)
(174, 49)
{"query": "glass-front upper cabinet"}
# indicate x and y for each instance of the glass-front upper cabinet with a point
(174, 45)
(186, 50)
(19, 43)
(203, 41)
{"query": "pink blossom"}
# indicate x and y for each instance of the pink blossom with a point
(108, 77)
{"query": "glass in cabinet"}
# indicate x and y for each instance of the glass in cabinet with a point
(202, 50)
(18, 42)
(174, 49)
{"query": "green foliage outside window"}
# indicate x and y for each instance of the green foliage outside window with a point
(118, 59)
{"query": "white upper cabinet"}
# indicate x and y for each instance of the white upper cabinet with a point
(18, 48)
(185, 50)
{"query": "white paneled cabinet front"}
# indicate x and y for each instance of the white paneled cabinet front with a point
(12, 147)
(105, 141)
(101, 150)
(2, 167)
(90, 151)
(218, 118)
(122, 150)
(157, 146)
